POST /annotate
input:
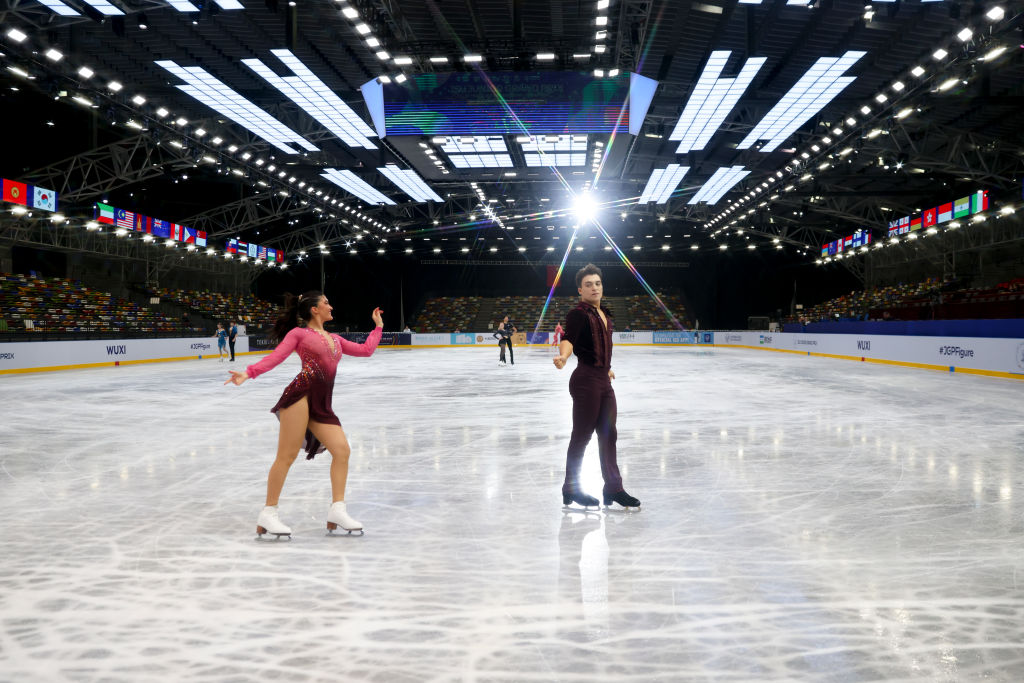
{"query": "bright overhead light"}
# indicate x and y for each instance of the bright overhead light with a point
(316, 99)
(439, 60)
(139, 100)
(86, 72)
(581, 55)
(54, 55)
(349, 182)
(585, 207)
(947, 84)
(602, 4)
(613, 73)
(546, 56)
(16, 35)
(939, 54)
(350, 12)
(201, 85)
(851, 121)
(601, 20)
(964, 35)
(996, 13)
(662, 184)
(58, 7)
(400, 78)
(472, 58)
(384, 79)
(103, 7)
(181, 121)
(599, 73)
(718, 184)
(898, 86)
(865, 110)
(711, 101)
(410, 183)
(599, 49)
(903, 113)
(403, 61)
(363, 29)
(161, 112)
(114, 86)
(917, 71)
(880, 97)
(383, 55)
(372, 42)
(815, 89)
(993, 53)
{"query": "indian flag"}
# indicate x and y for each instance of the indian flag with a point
(104, 213)
(962, 207)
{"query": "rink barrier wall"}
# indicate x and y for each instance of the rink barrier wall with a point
(42, 356)
(985, 356)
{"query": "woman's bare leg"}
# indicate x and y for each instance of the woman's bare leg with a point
(333, 437)
(293, 428)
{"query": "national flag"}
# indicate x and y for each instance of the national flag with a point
(962, 207)
(142, 223)
(104, 213)
(160, 228)
(280, 256)
(16, 193)
(44, 199)
(124, 219)
(262, 253)
(946, 212)
(189, 235)
(253, 250)
(928, 219)
(231, 247)
(915, 224)
(899, 226)
(271, 255)
(200, 238)
(979, 201)
(848, 242)
(824, 250)
(867, 237)
(177, 232)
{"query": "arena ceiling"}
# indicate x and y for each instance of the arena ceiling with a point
(916, 102)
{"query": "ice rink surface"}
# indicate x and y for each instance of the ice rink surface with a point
(804, 519)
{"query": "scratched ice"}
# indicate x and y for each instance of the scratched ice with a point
(803, 519)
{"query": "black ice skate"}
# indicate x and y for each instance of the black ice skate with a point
(580, 498)
(622, 498)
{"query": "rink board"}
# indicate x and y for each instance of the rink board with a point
(95, 353)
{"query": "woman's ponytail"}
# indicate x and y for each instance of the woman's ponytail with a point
(294, 314)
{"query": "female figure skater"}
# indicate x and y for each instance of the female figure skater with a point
(588, 334)
(222, 340)
(556, 338)
(504, 337)
(305, 406)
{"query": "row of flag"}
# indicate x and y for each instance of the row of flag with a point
(130, 220)
(252, 250)
(29, 195)
(860, 238)
(965, 206)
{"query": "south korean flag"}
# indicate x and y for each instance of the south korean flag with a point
(44, 199)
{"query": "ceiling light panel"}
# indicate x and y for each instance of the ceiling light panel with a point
(476, 144)
(556, 159)
(316, 99)
(555, 143)
(222, 99)
(711, 101)
(104, 7)
(662, 184)
(410, 183)
(348, 181)
(717, 185)
(816, 88)
(60, 8)
(481, 161)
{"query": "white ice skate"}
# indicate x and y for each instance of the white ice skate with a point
(338, 516)
(268, 523)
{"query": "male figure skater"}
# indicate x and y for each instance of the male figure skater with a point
(588, 334)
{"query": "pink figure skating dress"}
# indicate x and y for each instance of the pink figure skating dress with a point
(316, 380)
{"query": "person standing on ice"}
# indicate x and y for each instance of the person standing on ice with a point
(556, 338)
(588, 334)
(304, 410)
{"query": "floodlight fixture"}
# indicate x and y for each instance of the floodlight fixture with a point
(718, 184)
(54, 55)
(114, 86)
(201, 85)
(16, 35)
(993, 53)
(662, 184)
(711, 101)
(352, 184)
(59, 8)
(139, 100)
(585, 208)
(818, 86)
(472, 59)
(964, 35)
(403, 61)
(917, 71)
(546, 56)
(996, 13)
(939, 54)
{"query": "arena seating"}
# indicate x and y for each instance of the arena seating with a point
(57, 305)
(254, 313)
(931, 299)
(447, 314)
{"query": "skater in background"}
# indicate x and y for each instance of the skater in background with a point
(232, 336)
(504, 337)
(305, 408)
(556, 338)
(588, 334)
(222, 340)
